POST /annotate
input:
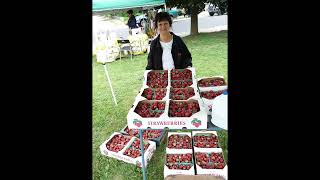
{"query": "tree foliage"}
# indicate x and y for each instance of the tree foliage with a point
(194, 7)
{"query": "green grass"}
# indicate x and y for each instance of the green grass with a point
(209, 54)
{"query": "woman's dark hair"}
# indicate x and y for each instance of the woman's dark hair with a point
(162, 16)
(130, 11)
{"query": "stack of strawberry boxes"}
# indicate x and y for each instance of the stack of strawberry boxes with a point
(178, 158)
(127, 148)
(168, 98)
(211, 87)
(193, 153)
(208, 154)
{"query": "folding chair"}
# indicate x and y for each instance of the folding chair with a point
(125, 45)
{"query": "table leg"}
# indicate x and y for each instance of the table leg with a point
(142, 152)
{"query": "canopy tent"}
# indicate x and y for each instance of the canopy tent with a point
(107, 5)
(103, 5)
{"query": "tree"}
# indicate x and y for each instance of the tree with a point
(195, 7)
(222, 4)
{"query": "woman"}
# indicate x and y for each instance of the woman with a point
(167, 51)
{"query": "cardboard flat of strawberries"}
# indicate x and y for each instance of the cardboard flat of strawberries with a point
(193, 177)
(174, 168)
(135, 132)
(208, 98)
(131, 146)
(205, 139)
(146, 112)
(155, 115)
(213, 83)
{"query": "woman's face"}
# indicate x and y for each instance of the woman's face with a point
(164, 27)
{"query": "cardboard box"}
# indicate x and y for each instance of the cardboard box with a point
(194, 80)
(157, 140)
(134, 132)
(119, 155)
(145, 79)
(194, 177)
(196, 133)
(135, 121)
(192, 69)
(195, 90)
(217, 172)
(208, 102)
(196, 121)
(193, 76)
(140, 96)
(214, 88)
(178, 151)
(167, 171)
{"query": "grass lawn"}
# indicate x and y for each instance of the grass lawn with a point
(209, 54)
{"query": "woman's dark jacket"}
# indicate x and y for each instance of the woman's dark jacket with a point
(180, 54)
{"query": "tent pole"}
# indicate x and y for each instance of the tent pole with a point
(106, 72)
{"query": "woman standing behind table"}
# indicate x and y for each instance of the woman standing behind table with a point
(167, 50)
